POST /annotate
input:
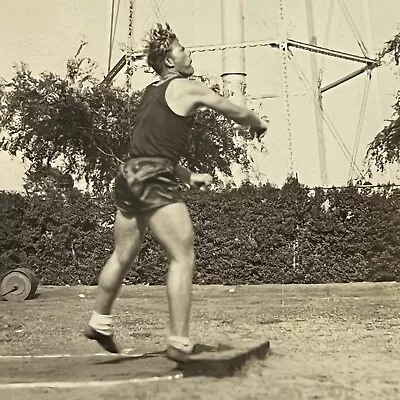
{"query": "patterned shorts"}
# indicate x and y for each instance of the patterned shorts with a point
(145, 184)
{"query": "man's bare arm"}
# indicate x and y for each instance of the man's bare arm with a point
(200, 95)
(182, 173)
(193, 179)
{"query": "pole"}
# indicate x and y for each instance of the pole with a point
(316, 85)
(375, 80)
(345, 78)
(329, 52)
(285, 89)
(110, 45)
(233, 60)
(130, 44)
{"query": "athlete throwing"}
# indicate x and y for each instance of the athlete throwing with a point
(147, 193)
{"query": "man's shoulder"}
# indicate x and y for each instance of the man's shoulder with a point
(187, 86)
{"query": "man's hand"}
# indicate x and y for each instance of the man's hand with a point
(260, 132)
(194, 180)
(200, 181)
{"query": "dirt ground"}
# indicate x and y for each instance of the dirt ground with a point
(339, 341)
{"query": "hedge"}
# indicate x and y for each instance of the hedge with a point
(249, 235)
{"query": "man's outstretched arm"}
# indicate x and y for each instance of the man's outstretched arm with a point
(200, 95)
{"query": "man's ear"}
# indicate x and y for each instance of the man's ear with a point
(169, 62)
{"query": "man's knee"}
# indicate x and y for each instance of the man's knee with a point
(124, 257)
(190, 259)
(184, 258)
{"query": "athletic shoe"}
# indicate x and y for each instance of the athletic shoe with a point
(105, 341)
(177, 355)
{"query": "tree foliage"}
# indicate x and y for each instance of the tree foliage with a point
(84, 127)
(385, 148)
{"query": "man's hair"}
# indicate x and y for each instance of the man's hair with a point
(158, 44)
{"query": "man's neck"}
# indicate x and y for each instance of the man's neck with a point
(169, 74)
(164, 77)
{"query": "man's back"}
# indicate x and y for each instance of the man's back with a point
(159, 131)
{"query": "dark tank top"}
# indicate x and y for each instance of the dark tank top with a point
(158, 131)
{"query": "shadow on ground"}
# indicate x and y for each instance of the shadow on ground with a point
(208, 361)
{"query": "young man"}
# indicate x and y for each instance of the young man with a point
(147, 194)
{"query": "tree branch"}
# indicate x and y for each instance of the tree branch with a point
(109, 155)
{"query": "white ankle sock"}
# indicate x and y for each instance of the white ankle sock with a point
(182, 343)
(101, 323)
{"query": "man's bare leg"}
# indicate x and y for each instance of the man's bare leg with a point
(172, 228)
(128, 236)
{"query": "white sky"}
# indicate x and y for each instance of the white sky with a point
(45, 33)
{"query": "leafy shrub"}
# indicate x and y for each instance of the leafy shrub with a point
(250, 235)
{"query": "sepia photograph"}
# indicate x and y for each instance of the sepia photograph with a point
(200, 199)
